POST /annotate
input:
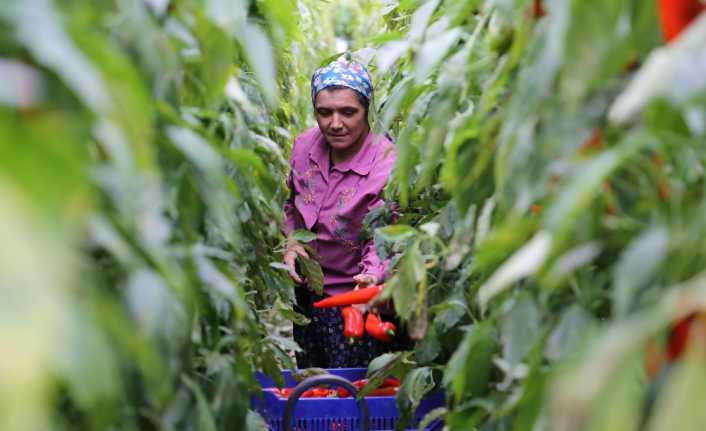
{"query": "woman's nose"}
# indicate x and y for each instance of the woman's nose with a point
(336, 121)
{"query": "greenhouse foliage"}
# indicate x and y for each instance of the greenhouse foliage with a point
(550, 178)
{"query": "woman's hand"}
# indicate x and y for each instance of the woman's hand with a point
(365, 280)
(294, 249)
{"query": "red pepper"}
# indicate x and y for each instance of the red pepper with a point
(359, 384)
(593, 143)
(390, 382)
(353, 323)
(384, 392)
(389, 328)
(318, 393)
(378, 329)
(284, 392)
(310, 393)
(379, 392)
(676, 15)
(538, 10)
(678, 338)
(360, 296)
(323, 392)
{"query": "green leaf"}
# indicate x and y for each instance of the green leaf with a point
(432, 52)
(525, 262)
(580, 192)
(566, 335)
(197, 150)
(267, 362)
(414, 387)
(571, 261)
(303, 235)
(404, 285)
(429, 347)
(420, 19)
(530, 405)
(383, 366)
(520, 326)
(431, 416)
(261, 56)
(389, 53)
(679, 405)
(637, 265)
(396, 233)
(382, 362)
(39, 27)
(252, 167)
(668, 72)
(255, 422)
(279, 265)
(288, 313)
(437, 127)
(468, 371)
(206, 421)
(449, 313)
(621, 403)
(314, 276)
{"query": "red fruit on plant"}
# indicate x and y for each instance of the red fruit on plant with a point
(593, 143)
(678, 338)
(538, 9)
(676, 15)
(654, 358)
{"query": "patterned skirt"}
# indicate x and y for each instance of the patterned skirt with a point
(323, 343)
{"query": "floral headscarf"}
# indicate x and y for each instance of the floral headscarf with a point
(342, 72)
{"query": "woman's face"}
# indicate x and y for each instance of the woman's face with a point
(341, 117)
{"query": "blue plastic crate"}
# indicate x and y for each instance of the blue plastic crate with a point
(338, 414)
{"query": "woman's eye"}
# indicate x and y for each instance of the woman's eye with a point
(324, 112)
(349, 113)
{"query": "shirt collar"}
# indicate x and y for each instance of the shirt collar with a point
(360, 163)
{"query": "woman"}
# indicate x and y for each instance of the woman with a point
(338, 172)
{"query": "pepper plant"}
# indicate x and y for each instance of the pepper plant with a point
(144, 149)
(551, 177)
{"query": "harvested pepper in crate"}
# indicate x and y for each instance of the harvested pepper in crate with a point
(390, 382)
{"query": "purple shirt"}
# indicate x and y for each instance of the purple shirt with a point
(332, 202)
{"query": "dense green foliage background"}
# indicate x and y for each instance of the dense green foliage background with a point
(550, 174)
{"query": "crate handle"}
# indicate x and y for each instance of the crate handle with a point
(329, 379)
